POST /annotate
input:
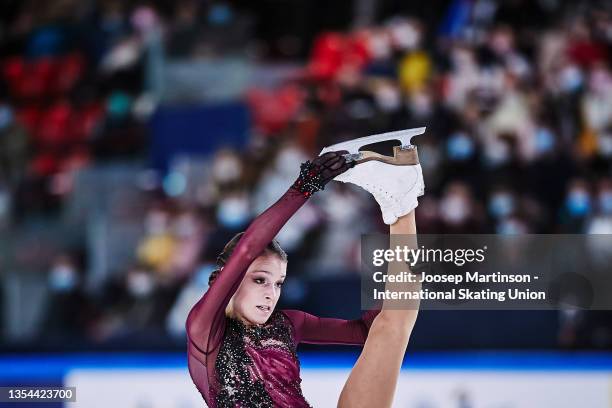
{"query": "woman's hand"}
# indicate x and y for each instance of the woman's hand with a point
(314, 175)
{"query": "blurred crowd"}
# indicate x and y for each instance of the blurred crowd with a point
(516, 97)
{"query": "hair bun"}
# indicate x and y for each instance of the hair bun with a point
(213, 276)
(221, 259)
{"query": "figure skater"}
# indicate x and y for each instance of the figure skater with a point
(242, 352)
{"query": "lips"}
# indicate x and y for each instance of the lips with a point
(264, 308)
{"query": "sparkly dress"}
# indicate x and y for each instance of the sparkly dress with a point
(234, 365)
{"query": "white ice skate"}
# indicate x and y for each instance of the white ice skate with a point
(395, 182)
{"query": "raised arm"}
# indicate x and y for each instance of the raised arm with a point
(206, 320)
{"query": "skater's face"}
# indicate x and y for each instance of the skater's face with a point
(256, 298)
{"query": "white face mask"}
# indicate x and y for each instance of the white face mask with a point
(185, 226)
(498, 154)
(388, 98)
(405, 35)
(156, 223)
(600, 82)
(379, 45)
(605, 144)
(226, 168)
(421, 104)
(454, 209)
(288, 159)
(140, 284)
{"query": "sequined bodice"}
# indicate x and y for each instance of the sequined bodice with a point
(257, 366)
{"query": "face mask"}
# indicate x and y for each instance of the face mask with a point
(220, 14)
(460, 147)
(570, 78)
(6, 117)
(140, 284)
(501, 43)
(226, 169)
(62, 279)
(233, 212)
(605, 144)
(405, 35)
(511, 227)
(144, 18)
(454, 209)
(185, 226)
(379, 46)
(605, 202)
(501, 205)
(421, 105)
(118, 105)
(578, 203)
(388, 98)
(544, 140)
(498, 154)
(156, 223)
(430, 156)
(286, 161)
(600, 82)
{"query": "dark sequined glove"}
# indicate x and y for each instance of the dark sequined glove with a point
(314, 175)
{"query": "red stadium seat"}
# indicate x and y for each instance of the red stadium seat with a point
(55, 125)
(70, 70)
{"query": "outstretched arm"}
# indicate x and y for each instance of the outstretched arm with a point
(322, 330)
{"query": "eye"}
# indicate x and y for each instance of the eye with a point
(259, 281)
(279, 284)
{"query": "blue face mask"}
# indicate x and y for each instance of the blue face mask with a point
(509, 227)
(119, 105)
(578, 203)
(6, 117)
(62, 279)
(220, 14)
(605, 203)
(571, 79)
(459, 147)
(233, 213)
(544, 140)
(501, 205)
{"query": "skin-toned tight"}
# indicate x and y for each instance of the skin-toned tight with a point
(373, 379)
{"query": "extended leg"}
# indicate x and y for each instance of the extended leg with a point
(373, 379)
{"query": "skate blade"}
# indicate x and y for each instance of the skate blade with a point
(353, 146)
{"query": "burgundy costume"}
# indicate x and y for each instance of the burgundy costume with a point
(234, 365)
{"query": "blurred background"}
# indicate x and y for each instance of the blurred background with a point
(137, 137)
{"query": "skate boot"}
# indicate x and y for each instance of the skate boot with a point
(395, 182)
